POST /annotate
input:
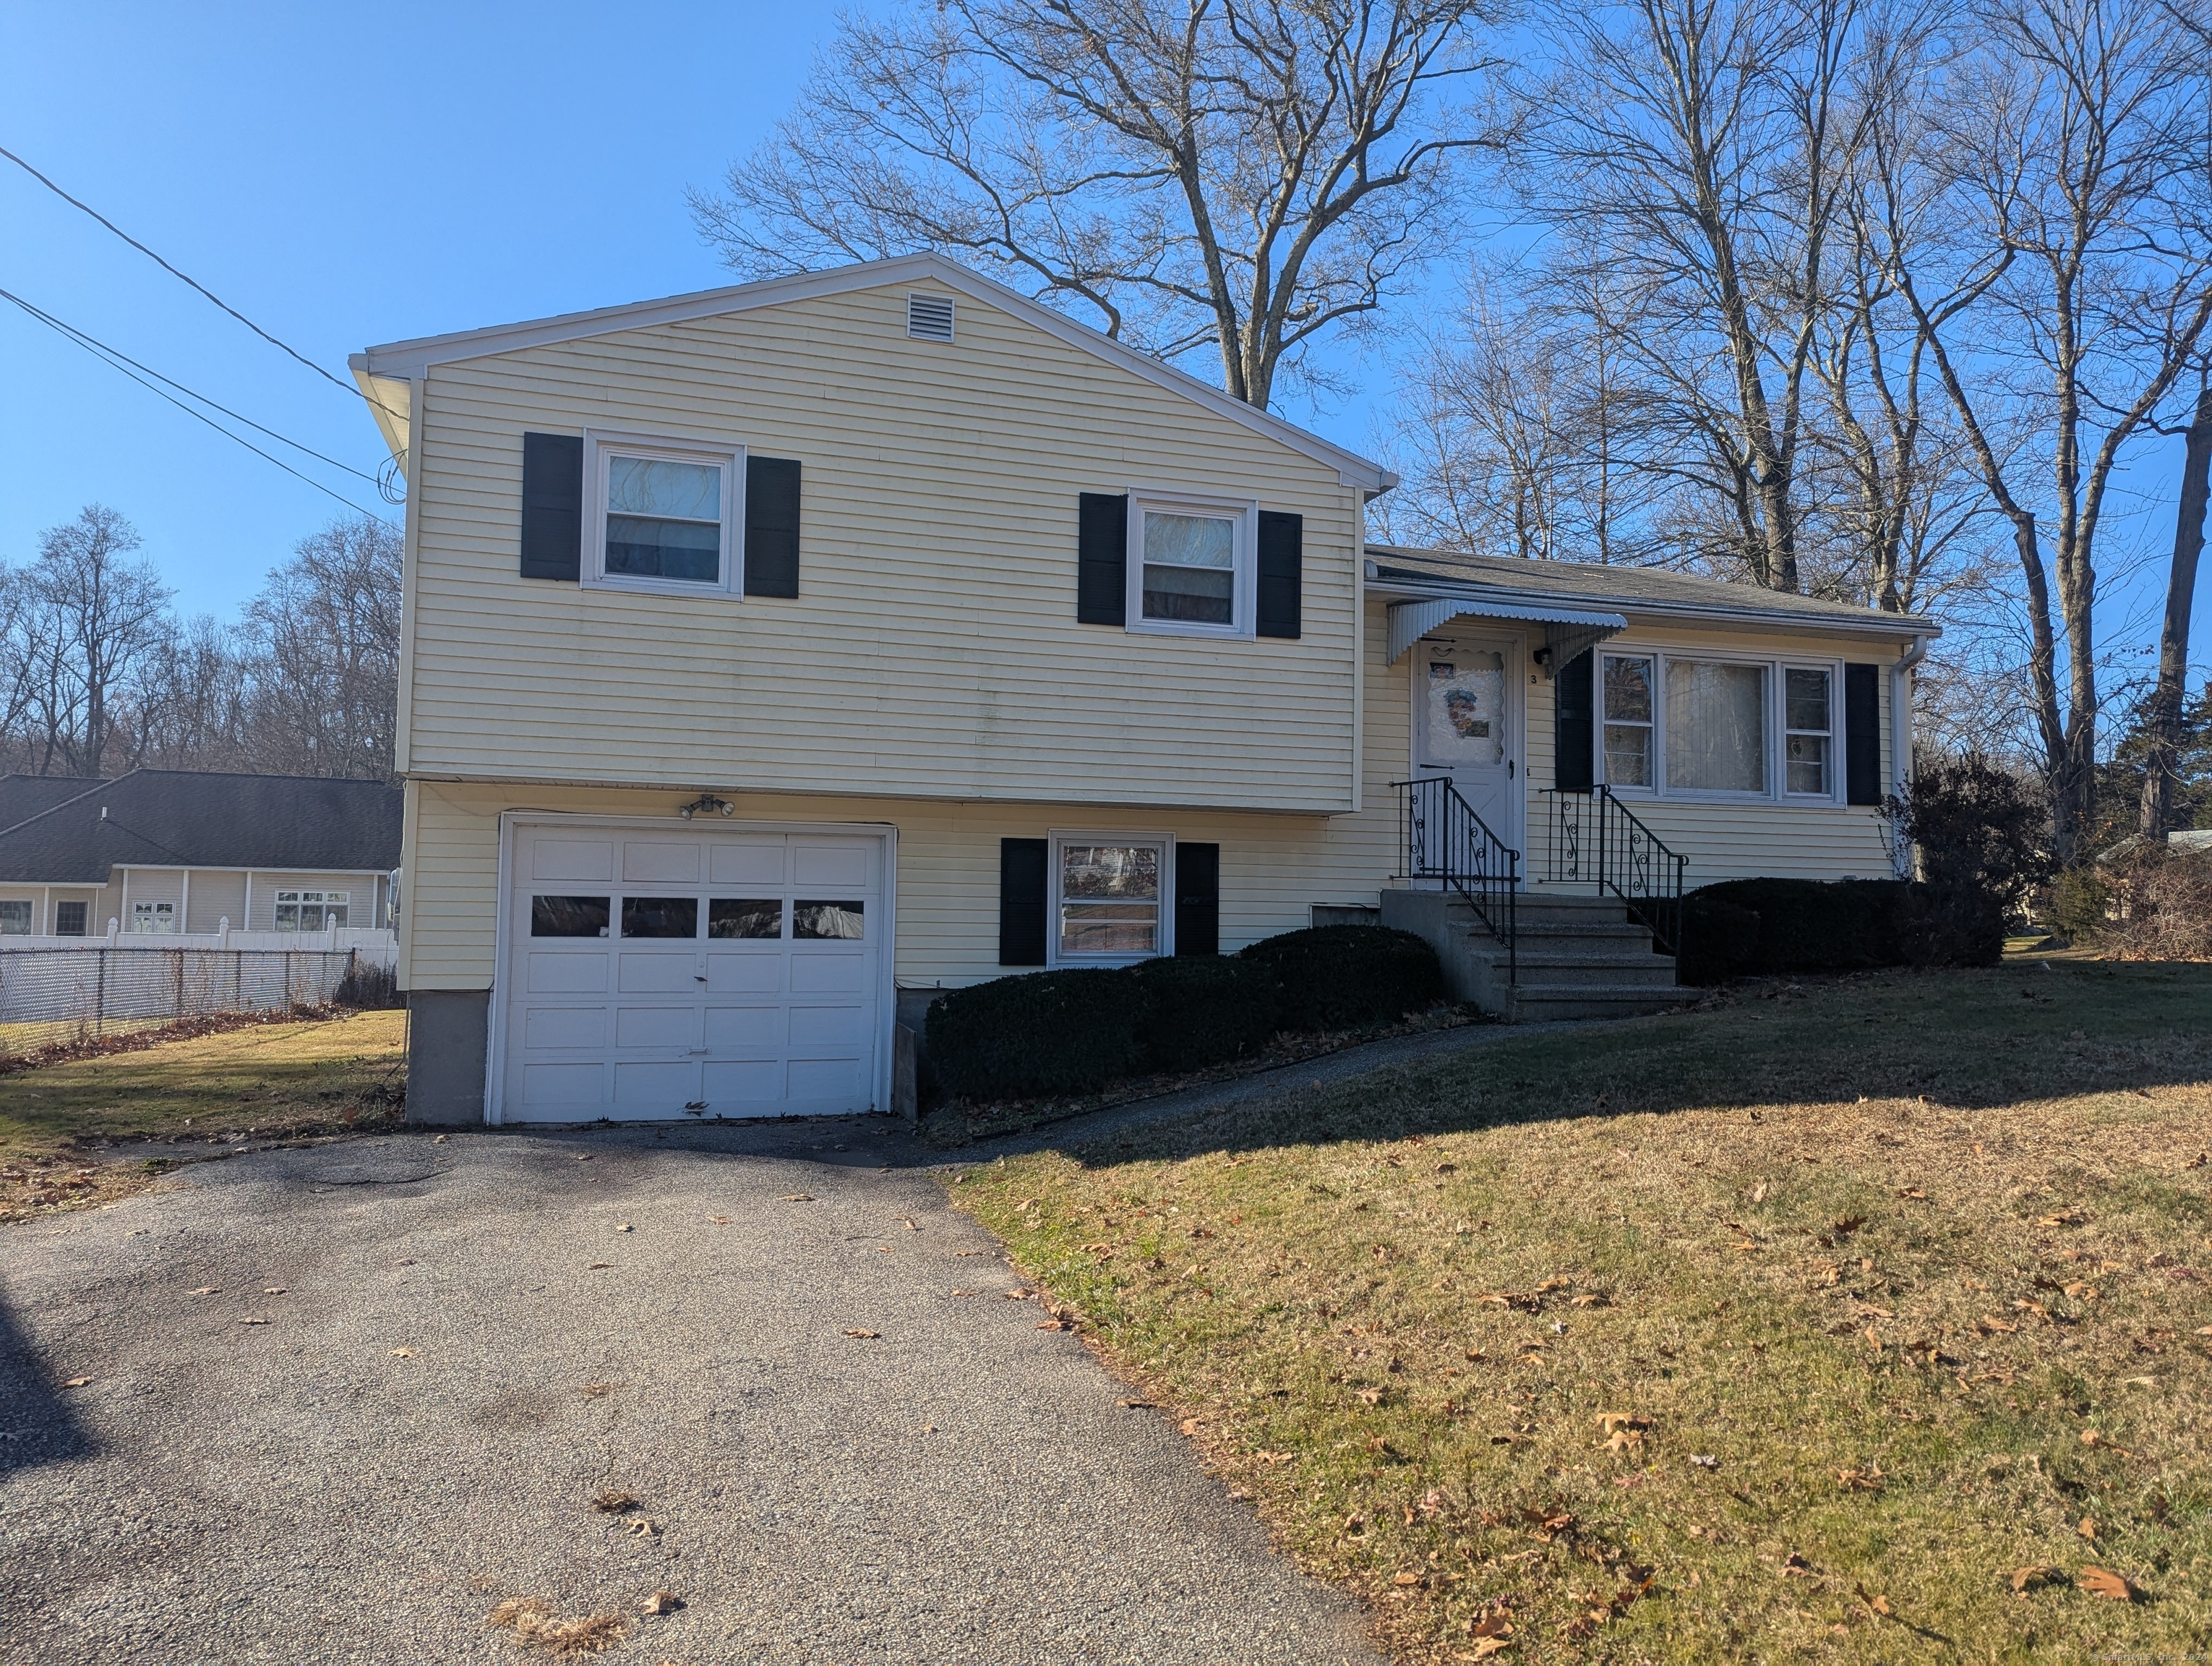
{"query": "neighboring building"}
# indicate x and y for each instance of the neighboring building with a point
(177, 851)
(778, 656)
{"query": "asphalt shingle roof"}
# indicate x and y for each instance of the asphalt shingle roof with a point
(1625, 587)
(189, 818)
(23, 797)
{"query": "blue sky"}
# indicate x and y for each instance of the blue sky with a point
(345, 175)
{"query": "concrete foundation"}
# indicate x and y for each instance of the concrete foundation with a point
(1464, 949)
(447, 1030)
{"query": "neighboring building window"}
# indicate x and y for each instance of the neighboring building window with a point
(69, 919)
(1107, 899)
(14, 919)
(160, 917)
(1715, 726)
(311, 910)
(1628, 721)
(1808, 739)
(664, 514)
(1190, 565)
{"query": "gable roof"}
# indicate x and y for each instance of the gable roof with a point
(384, 373)
(191, 819)
(1634, 589)
(23, 797)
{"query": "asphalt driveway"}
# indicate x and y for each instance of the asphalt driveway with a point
(339, 1403)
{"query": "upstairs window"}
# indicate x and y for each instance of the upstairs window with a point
(662, 516)
(1190, 565)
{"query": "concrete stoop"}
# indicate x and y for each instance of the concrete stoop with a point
(1582, 956)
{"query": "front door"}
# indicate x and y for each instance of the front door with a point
(1467, 723)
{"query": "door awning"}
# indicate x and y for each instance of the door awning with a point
(1567, 631)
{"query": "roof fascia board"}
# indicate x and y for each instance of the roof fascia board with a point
(391, 402)
(1870, 623)
(409, 359)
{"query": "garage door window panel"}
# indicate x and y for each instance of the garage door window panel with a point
(814, 919)
(660, 916)
(569, 917)
(745, 917)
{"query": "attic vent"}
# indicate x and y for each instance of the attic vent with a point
(929, 318)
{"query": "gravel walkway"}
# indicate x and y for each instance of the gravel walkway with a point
(340, 1403)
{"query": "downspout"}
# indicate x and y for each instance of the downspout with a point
(1900, 740)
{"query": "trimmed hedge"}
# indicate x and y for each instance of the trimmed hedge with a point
(1044, 1034)
(1777, 928)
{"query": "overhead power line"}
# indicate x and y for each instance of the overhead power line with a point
(282, 346)
(147, 379)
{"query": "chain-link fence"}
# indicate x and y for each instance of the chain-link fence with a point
(52, 997)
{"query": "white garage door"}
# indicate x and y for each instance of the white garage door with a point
(664, 975)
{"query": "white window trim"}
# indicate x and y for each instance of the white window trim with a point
(1773, 742)
(1244, 615)
(600, 446)
(1058, 837)
(151, 912)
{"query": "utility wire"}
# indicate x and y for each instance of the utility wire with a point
(281, 346)
(132, 368)
(102, 346)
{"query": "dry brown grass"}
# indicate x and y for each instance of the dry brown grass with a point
(532, 1620)
(292, 1082)
(1798, 1328)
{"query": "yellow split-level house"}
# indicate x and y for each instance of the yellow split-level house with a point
(778, 656)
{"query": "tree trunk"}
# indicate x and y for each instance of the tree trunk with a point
(2163, 719)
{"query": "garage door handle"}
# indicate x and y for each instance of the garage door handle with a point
(698, 977)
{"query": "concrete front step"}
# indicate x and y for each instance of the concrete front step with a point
(1544, 967)
(1537, 1003)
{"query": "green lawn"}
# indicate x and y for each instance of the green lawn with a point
(270, 1080)
(1802, 1327)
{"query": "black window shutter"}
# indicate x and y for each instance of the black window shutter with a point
(1863, 734)
(1575, 742)
(552, 505)
(771, 527)
(1197, 899)
(1101, 560)
(1282, 569)
(1021, 902)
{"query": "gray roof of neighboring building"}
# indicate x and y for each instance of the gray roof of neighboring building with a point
(192, 819)
(23, 797)
(1587, 582)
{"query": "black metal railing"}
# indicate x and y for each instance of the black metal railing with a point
(1593, 839)
(1446, 842)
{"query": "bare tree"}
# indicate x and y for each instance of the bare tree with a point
(1702, 150)
(189, 699)
(322, 644)
(1246, 173)
(2162, 723)
(2077, 288)
(99, 616)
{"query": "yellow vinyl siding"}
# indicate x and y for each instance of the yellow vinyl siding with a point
(1274, 866)
(933, 650)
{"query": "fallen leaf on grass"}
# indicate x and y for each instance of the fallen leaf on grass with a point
(1052, 1324)
(1862, 1481)
(661, 1601)
(1847, 1226)
(1608, 1422)
(1879, 1604)
(1135, 1405)
(2091, 1438)
(2025, 1579)
(1990, 1325)
(2103, 1582)
(1592, 1300)
(1704, 1461)
(1190, 1426)
(616, 1502)
(2088, 1529)
(1487, 1647)
(2063, 1217)
(1914, 1192)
